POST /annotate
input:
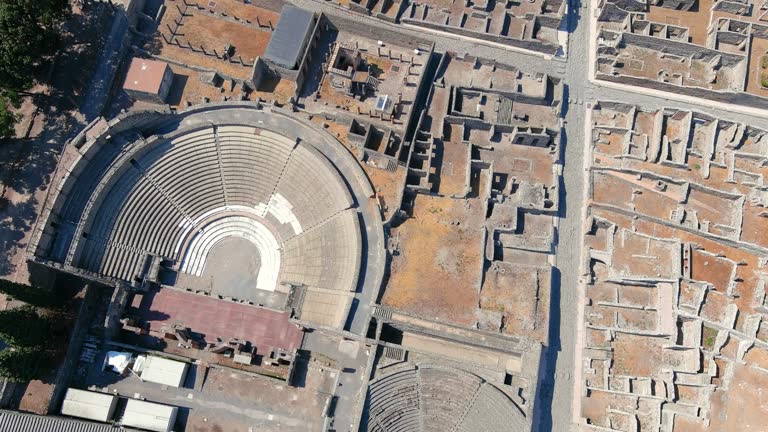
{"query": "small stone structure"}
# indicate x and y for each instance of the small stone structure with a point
(148, 80)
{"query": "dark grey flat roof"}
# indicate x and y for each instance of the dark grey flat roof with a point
(287, 42)
(12, 421)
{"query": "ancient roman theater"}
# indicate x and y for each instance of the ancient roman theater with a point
(238, 202)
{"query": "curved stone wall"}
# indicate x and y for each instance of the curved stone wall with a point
(174, 185)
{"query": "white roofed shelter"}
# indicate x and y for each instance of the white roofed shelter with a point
(150, 416)
(89, 405)
(162, 371)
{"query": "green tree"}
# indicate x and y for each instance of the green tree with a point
(28, 33)
(22, 327)
(20, 365)
(7, 119)
(30, 295)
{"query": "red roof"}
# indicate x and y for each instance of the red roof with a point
(145, 75)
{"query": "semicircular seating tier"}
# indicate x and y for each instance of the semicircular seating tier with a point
(177, 196)
(439, 399)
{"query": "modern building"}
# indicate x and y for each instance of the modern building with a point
(150, 416)
(162, 371)
(290, 37)
(148, 80)
(89, 405)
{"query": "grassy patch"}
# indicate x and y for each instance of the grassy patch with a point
(708, 337)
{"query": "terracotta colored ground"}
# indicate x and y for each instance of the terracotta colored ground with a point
(388, 186)
(215, 33)
(219, 318)
(339, 131)
(200, 27)
(438, 268)
(637, 356)
(697, 21)
(516, 293)
(744, 407)
(453, 173)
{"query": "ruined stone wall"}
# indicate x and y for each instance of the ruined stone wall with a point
(271, 5)
(468, 122)
(548, 21)
(307, 56)
(87, 143)
(283, 73)
(395, 37)
(142, 121)
(731, 98)
(531, 45)
(259, 72)
(354, 7)
(527, 138)
(681, 49)
(421, 88)
(517, 97)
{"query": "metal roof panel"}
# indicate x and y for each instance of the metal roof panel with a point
(287, 42)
